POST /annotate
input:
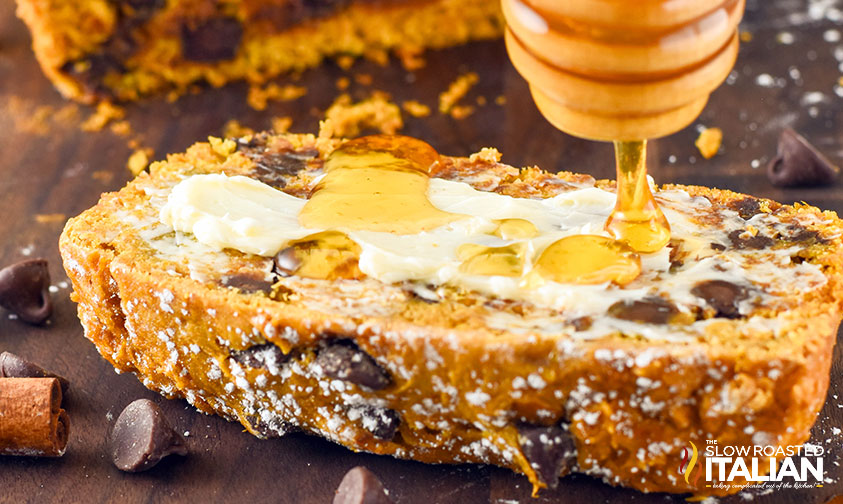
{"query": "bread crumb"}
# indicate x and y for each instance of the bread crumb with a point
(456, 90)
(51, 218)
(103, 176)
(259, 97)
(416, 108)
(500, 100)
(745, 36)
(487, 154)
(343, 83)
(347, 119)
(222, 147)
(345, 61)
(709, 141)
(27, 117)
(379, 56)
(363, 79)
(121, 128)
(481, 100)
(461, 111)
(138, 161)
(105, 113)
(281, 124)
(233, 129)
(411, 58)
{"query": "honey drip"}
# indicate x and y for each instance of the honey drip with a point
(328, 255)
(636, 219)
(503, 261)
(585, 259)
(376, 183)
(514, 229)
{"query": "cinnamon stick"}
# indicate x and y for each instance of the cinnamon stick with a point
(32, 422)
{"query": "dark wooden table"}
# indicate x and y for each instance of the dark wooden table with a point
(50, 170)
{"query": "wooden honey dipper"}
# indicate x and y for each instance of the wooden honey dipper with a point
(626, 72)
(619, 70)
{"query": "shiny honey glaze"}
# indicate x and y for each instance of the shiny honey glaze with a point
(636, 219)
(379, 183)
(376, 183)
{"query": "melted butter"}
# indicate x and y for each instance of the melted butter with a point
(328, 255)
(585, 259)
(501, 261)
(515, 229)
(636, 219)
(377, 183)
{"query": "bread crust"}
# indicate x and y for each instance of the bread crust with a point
(461, 389)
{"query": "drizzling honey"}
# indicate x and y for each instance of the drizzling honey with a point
(328, 255)
(586, 259)
(379, 183)
(636, 219)
(501, 261)
(376, 183)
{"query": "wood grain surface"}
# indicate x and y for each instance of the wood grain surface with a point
(786, 75)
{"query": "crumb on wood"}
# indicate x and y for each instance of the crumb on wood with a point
(709, 142)
(377, 55)
(105, 113)
(347, 119)
(50, 218)
(500, 100)
(745, 36)
(343, 83)
(456, 90)
(345, 61)
(411, 58)
(138, 161)
(121, 128)
(281, 124)
(416, 108)
(258, 96)
(364, 79)
(103, 176)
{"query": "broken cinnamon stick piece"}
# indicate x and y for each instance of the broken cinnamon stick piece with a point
(32, 422)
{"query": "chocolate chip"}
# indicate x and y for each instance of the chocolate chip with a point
(746, 207)
(742, 240)
(344, 361)
(24, 289)
(12, 366)
(266, 356)
(141, 437)
(717, 246)
(361, 486)
(273, 168)
(550, 451)
(652, 310)
(381, 422)
(721, 295)
(215, 39)
(271, 428)
(798, 163)
(248, 282)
